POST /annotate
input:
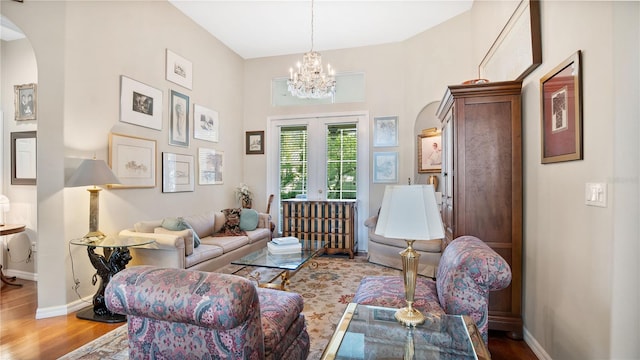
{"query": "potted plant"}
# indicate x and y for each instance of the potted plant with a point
(244, 195)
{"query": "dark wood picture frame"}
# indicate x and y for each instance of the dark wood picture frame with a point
(23, 157)
(561, 109)
(254, 142)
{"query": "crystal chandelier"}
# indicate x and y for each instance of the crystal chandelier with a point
(309, 81)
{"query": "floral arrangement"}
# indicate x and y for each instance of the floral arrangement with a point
(244, 195)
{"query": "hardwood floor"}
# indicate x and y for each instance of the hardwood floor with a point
(23, 337)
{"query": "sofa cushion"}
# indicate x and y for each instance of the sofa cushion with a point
(180, 224)
(202, 253)
(226, 243)
(231, 225)
(258, 234)
(186, 234)
(219, 221)
(388, 291)
(248, 219)
(203, 224)
(147, 226)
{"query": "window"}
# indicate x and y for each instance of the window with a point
(342, 156)
(293, 162)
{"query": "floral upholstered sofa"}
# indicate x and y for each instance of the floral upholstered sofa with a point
(188, 314)
(205, 241)
(468, 270)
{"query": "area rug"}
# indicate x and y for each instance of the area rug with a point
(326, 289)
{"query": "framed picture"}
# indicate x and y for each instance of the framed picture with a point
(209, 166)
(23, 158)
(140, 104)
(205, 123)
(177, 173)
(385, 131)
(179, 70)
(179, 123)
(561, 102)
(517, 50)
(429, 152)
(385, 167)
(133, 161)
(26, 102)
(254, 142)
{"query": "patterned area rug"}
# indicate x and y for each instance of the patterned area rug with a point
(326, 289)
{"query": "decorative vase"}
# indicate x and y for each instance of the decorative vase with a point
(246, 203)
(433, 180)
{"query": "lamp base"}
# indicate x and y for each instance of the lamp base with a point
(95, 235)
(409, 316)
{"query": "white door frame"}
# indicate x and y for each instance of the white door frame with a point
(272, 147)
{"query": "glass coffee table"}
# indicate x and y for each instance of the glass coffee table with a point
(372, 332)
(289, 264)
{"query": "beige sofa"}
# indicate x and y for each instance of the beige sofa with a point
(386, 251)
(176, 248)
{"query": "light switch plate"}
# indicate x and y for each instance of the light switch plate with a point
(595, 194)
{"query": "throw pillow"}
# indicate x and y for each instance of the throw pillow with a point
(179, 224)
(231, 225)
(248, 219)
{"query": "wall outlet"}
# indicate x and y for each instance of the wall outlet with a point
(596, 194)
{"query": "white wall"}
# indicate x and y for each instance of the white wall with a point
(578, 282)
(18, 66)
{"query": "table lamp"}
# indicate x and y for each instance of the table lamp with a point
(93, 172)
(4, 207)
(410, 212)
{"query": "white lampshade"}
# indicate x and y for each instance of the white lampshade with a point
(410, 212)
(92, 172)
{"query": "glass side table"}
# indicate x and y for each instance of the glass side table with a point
(372, 332)
(115, 258)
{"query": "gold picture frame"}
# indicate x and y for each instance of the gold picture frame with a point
(26, 102)
(561, 109)
(430, 151)
(133, 160)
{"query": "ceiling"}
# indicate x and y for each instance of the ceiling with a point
(263, 28)
(256, 29)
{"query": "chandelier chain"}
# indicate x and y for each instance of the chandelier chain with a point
(312, 25)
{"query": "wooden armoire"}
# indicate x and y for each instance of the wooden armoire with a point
(482, 181)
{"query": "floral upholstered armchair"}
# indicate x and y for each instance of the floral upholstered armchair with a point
(468, 270)
(182, 314)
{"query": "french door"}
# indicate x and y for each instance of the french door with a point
(319, 157)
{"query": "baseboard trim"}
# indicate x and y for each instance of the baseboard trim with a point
(20, 274)
(535, 346)
(42, 313)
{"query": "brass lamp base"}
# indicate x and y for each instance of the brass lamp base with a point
(95, 235)
(409, 316)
